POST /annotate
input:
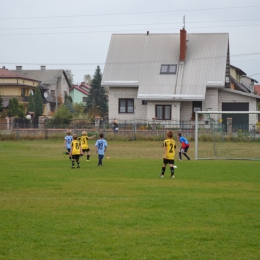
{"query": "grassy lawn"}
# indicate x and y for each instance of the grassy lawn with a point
(123, 210)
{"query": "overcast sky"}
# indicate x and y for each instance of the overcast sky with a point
(75, 35)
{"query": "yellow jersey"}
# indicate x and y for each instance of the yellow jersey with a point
(75, 147)
(169, 149)
(84, 142)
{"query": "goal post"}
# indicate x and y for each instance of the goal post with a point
(230, 135)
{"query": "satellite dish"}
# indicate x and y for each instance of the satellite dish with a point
(31, 92)
(45, 94)
(227, 79)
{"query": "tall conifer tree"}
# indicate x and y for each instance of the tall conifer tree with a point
(97, 98)
(31, 107)
(38, 103)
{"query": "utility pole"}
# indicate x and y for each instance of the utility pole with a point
(58, 78)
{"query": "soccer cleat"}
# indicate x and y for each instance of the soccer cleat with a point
(73, 167)
(161, 176)
(172, 176)
(64, 154)
(78, 166)
(88, 160)
(180, 159)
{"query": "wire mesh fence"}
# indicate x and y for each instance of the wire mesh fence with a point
(127, 129)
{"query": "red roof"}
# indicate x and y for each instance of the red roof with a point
(79, 89)
(257, 89)
(5, 73)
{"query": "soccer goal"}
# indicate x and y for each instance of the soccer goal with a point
(230, 135)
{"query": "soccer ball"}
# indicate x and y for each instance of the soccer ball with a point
(28, 117)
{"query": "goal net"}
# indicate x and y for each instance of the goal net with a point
(227, 135)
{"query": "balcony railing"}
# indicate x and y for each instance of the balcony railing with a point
(20, 98)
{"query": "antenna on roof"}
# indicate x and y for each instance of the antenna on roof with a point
(184, 22)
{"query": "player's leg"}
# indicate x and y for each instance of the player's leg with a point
(88, 154)
(99, 160)
(72, 162)
(163, 168)
(180, 152)
(78, 163)
(185, 153)
(172, 169)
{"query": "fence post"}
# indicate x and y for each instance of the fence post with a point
(154, 125)
(17, 131)
(97, 122)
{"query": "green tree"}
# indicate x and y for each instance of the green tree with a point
(79, 109)
(68, 103)
(13, 107)
(97, 98)
(1, 104)
(31, 106)
(38, 103)
(21, 112)
(87, 79)
(62, 116)
(70, 76)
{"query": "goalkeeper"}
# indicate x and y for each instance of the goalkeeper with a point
(184, 147)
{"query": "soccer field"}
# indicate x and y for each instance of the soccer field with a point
(123, 210)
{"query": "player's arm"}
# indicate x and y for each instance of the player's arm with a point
(80, 149)
(164, 150)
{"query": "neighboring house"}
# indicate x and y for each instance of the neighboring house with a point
(55, 82)
(240, 81)
(15, 85)
(169, 76)
(79, 93)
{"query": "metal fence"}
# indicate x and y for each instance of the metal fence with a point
(130, 129)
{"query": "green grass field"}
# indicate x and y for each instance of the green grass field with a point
(123, 210)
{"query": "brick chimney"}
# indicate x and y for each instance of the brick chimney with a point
(183, 36)
(19, 67)
(43, 67)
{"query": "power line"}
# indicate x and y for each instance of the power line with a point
(132, 13)
(123, 31)
(122, 25)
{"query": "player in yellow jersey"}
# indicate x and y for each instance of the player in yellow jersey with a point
(75, 151)
(169, 146)
(84, 144)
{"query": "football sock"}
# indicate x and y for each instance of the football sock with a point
(88, 156)
(180, 155)
(163, 170)
(73, 163)
(172, 170)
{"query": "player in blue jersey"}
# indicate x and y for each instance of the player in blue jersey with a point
(101, 146)
(184, 147)
(67, 143)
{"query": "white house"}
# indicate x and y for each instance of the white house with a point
(169, 76)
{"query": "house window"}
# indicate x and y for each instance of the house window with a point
(53, 95)
(126, 105)
(196, 106)
(168, 69)
(163, 112)
(23, 92)
(144, 102)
